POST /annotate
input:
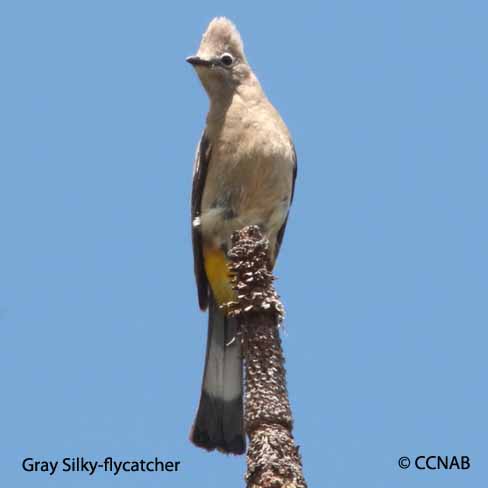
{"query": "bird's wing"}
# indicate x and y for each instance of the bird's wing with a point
(200, 168)
(281, 232)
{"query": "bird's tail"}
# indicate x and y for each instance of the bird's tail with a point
(219, 421)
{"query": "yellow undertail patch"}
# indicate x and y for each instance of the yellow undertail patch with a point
(218, 274)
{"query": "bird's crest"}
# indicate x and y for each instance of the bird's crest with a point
(222, 36)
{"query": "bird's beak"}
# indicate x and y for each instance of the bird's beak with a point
(197, 61)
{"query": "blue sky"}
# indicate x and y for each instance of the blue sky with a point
(383, 271)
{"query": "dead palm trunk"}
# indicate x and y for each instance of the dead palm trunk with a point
(273, 460)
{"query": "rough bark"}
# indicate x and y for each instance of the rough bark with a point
(273, 459)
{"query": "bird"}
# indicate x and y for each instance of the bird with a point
(243, 174)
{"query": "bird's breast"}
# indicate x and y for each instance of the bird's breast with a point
(245, 187)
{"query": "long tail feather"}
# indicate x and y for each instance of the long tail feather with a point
(219, 420)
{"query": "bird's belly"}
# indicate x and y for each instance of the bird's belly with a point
(247, 193)
(259, 197)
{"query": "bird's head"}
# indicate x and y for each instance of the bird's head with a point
(220, 61)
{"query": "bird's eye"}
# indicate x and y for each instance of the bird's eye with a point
(226, 59)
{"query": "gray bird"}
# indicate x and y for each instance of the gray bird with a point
(244, 174)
